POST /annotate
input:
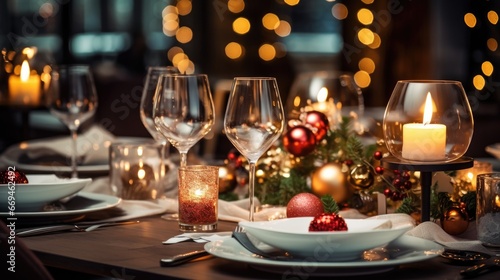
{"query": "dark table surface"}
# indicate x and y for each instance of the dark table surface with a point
(133, 252)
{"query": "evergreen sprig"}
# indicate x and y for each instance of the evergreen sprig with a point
(329, 204)
(406, 206)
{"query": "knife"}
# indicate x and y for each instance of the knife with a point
(68, 227)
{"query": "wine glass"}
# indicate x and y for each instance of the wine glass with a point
(73, 99)
(183, 110)
(254, 120)
(148, 92)
(146, 107)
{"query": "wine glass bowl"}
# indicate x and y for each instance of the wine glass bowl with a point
(148, 92)
(183, 110)
(72, 98)
(253, 121)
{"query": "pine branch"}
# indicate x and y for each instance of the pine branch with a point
(406, 206)
(329, 204)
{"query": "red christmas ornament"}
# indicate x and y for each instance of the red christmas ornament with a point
(377, 155)
(328, 222)
(299, 141)
(319, 121)
(379, 170)
(15, 177)
(304, 205)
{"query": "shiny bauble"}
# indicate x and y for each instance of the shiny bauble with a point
(361, 177)
(227, 179)
(299, 141)
(329, 179)
(319, 121)
(13, 177)
(304, 205)
(455, 220)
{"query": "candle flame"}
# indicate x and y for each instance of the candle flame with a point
(141, 174)
(322, 94)
(25, 71)
(199, 193)
(428, 109)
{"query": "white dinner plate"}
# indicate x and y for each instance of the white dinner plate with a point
(292, 235)
(40, 190)
(12, 155)
(76, 208)
(405, 249)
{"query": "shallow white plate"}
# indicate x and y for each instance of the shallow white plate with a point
(293, 235)
(403, 250)
(82, 203)
(40, 190)
(11, 158)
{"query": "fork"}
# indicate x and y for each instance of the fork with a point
(240, 235)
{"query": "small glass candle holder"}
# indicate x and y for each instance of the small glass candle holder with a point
(428, 121)
(488, 210)
(198, 197)
(135, 170)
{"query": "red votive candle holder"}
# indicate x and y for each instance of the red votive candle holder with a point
(198, 197)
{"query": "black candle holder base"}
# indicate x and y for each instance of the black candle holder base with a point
(426, 169)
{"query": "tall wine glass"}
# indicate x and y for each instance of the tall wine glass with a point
(254, 120)
(73, 99)
(146, 107)
(183, 110)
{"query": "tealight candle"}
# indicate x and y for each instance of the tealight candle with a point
(425, 141)
(25, 89)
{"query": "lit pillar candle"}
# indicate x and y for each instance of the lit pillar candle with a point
(425, 141)
(24, 89)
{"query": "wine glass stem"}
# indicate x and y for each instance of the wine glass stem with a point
(251, 191)
(183, 159)
(74, 135)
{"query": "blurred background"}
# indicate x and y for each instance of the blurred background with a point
(378, 41)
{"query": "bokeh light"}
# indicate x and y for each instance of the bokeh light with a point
(478, 82)
(493, 17)
(470, 20)
(270, 21)
(376, 41)
(492, 44)
(367, 1)
(292, 2)
(367, 64)
(173, 51)
(241, 25)
(339, 11)
(267, 52)
(184, 7)
(365, 16)
(362, 79)
(284, 29)
(366, 36)
(184, 35)
(487, 68)
(280, 49)
(233, 50)
(236, 6)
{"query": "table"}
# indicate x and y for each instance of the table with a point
(133, 252)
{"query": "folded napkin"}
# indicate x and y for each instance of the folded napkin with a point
(92, 148)
(198, 237)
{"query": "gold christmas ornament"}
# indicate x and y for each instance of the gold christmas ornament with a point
(329, 179)
(361, 177)
(455, 220)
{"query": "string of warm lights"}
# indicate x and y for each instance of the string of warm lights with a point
(479, 81)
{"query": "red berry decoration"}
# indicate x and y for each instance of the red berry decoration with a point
(377, 155)
(328, 222)
(299, 141)
(304, 205)
(16, 177)
(379, 170)
(319, 121)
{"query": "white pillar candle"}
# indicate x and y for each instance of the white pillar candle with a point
(425, 141)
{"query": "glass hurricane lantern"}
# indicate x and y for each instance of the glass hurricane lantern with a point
(428, 121)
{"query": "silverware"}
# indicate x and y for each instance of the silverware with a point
(480, 269)
(183, 258)
(464, 256)
(66, 227)
(243, 239)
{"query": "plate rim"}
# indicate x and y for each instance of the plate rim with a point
(111, 201)
(407, 239)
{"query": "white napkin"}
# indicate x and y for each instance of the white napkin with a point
(92, 146)
(198, 237)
